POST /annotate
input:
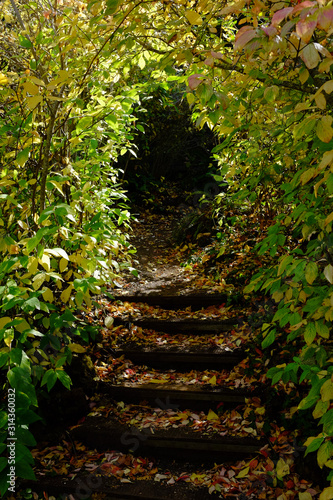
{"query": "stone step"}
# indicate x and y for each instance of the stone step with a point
(104, 434)
(175, 395)
(181, 360)
(176, 302)
(186, 326)
(83, 486)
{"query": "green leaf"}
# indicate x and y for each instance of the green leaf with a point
(50, 378)
(25, 42)
(322, 329)
(20, 380)
(307, 402)
(269, 339)
(83, 124)
(24, 470)
(25, 437)
(314, 445)
(3, 463)
(287, 259)
(32, 243)
(64, 378)
(310, 333)
(3, 419)
(311, 272)
(112, 6)
(22, 156)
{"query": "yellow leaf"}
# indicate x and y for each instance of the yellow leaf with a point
(63, 264)
(326, 494)
(65, 295)
(109, 320)
(304, 75)
(311, 272)
(58, 186)
(212, 416)
(320, 409)
(3, 79)
(320, 101)
(212, 381)
(4, 321)
(326, 390)
(326, 160)
(193, 17)
(328, 87)
(48, 295)
(45, 262)
(32, 265)
(307, 175)
(31, 88)
(58, 252)
(324, 453)
(324, 130)
(282, 468)
(199, 478)
(329, 219)
(328, 272)
(76, 348)
(9, 336)
(305, 495)
(310, 56)
(37, 81)
(277, 296)
(301, 106)
(24, 325)
(38, 281)
(243, 472)
(312, 438)
(156, 381)
(32, 102)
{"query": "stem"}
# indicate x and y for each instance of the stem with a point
(46, 155)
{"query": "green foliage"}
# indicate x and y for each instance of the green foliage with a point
(63, 214)
(276, 153)
(270, 104)
(257, 73)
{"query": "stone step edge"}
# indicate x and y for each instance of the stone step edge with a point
(175, 302)
(85, 485)
(182, 393)
(171, 356)
(103, 435)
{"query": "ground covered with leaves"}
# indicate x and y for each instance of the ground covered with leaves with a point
(203, 262)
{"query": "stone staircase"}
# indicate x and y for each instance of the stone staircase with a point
(175, 448)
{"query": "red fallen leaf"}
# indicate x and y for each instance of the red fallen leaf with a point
(81, 420)
(290, 484)
(253, 464)
(181, 478)
(269, 467)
